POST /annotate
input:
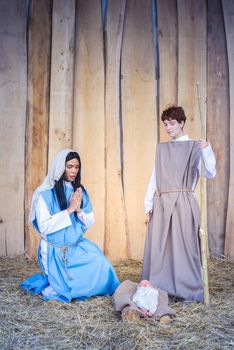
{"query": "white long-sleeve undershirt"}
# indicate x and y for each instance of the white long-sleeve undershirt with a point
(209, 172)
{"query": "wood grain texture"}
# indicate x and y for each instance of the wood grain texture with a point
(192, 57)
(3, 242)
(139, 122)
(62, 73)
(217, 126)
(168, 60)
(228, 12)
(39, 44)
(192, 54)
(89, 126)
(116, 237)
(12, 131)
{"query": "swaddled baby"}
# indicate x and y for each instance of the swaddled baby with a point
(134, 300)
(146, 298)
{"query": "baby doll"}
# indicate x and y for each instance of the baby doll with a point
(146, 298)
(135, 300)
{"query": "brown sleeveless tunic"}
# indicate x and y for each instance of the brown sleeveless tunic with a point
(172, 259)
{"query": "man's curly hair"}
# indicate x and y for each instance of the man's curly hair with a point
(174, 112)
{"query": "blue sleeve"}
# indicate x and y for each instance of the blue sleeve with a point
(86, 205)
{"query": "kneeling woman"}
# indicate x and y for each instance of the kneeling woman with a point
(72, 266)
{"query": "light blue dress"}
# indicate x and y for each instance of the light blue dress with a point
(77, 268)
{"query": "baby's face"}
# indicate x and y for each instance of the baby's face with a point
(145, 283)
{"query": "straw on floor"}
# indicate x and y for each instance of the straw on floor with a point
(27, 322)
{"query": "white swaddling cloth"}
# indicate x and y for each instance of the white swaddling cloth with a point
(146, 298)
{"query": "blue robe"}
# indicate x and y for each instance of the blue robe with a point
(80, 270)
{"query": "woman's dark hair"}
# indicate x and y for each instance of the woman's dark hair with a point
(174, 112)
(59, 187)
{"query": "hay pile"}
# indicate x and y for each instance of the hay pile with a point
(29, 323)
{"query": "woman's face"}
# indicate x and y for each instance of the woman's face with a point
(71, 169)
(173, 128)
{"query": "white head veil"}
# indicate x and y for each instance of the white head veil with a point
(56, 170)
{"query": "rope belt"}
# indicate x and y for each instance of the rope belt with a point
(159, 193)
(63, 249)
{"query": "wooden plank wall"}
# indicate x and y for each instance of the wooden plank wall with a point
(228, 12)
(89, 127)
(138, 97)
(217, 130)
(192, 53)
(116, 229)
(36, 147)
(62, 73)
(167, 21)
(13, 85)
(92, 86)
(191, 61)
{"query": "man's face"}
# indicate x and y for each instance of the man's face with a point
(173, 128)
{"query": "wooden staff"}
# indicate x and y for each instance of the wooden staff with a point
(202, 233)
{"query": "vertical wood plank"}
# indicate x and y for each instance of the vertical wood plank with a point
(3, 242)
(39, 44)
(61, 82)
(228, 11)
(116, 238)
(89, 126)
(138, 95)
(217, 126)
(192, 54)
(168, 61)
(12, 131)
(192, 68)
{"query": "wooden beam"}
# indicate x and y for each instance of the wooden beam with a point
(192, 58)
(228, 12)
(62, 73)
(116, 238)
(12, 130)
(39, 43)
(217, 126)
(192, 54)
(89, 123)
(167, 30)
(139, 116)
